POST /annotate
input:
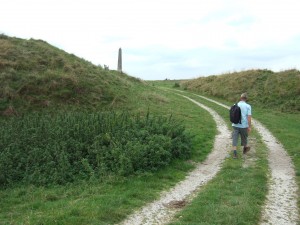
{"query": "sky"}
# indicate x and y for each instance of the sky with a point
(164, 39)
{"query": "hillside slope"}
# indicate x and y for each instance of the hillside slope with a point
(266, 88)
(35, 75)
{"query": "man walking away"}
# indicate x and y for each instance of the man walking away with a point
(244, 128)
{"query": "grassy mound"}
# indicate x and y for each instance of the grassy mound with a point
(69, 139)
(266, 88)
(35, 75)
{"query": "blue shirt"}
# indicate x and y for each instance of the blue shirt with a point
(246, 111)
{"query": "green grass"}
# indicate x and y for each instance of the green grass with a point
(284, 126)
(266, 89)
(109, 201)
(86, 203)
(62, 148)
(236, 194)
(35, 76)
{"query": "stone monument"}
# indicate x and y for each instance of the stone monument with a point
(120, 60)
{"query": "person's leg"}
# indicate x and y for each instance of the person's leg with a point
(235, 137)
(244, 140)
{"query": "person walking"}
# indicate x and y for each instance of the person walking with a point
(244, 128)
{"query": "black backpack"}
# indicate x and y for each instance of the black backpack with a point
(235, 114)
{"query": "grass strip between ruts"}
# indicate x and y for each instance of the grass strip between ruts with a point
(236, 195)
(284, 126)
(95, 202)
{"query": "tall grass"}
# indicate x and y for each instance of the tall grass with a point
(279, 91)
(57, 149)
(110, 199)
(36, 76)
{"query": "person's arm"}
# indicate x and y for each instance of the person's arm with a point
(249, 123)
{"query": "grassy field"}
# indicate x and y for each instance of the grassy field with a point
(237, 194)
(284, 126)
(234, 196)
(39, 78)
(36, 77)
(267, 89)
(111, 199)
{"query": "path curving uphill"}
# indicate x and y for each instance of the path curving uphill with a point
(163, 210)
(281, 205)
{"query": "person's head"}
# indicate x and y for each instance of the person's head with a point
(244, 96)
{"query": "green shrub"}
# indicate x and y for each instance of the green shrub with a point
(44, 149)
(176, 85)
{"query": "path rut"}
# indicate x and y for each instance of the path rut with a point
(163, 210)
(281, 205)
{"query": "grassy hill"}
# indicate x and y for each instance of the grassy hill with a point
(266, 88)
(107, 163)
(70, 138)
(90, 168)
(35, 75)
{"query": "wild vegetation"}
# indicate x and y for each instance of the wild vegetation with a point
(284, 126)
(36, 76)
(70, 154)
(47, 149)
(237, 193)
(110, 199)
(267, 89)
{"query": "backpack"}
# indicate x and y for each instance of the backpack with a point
(235, 114)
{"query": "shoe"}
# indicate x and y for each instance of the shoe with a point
(246, 149)
(234, 156)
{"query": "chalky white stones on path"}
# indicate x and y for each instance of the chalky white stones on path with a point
(281, 206)
(163, 210)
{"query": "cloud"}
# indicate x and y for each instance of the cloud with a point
(164, 38)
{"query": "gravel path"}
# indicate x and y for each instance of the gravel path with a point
(281, 205)
(163, 210)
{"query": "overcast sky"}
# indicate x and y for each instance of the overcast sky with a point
(174, 39)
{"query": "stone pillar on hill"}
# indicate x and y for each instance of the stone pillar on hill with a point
(120, 60)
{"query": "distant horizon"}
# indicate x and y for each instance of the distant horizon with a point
(161, 79)
(162, 39)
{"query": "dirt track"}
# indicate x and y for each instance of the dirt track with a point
(281, 206)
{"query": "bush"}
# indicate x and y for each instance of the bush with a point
(45, 149)
(176, 85)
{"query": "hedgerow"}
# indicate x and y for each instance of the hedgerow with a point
(45, 149)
